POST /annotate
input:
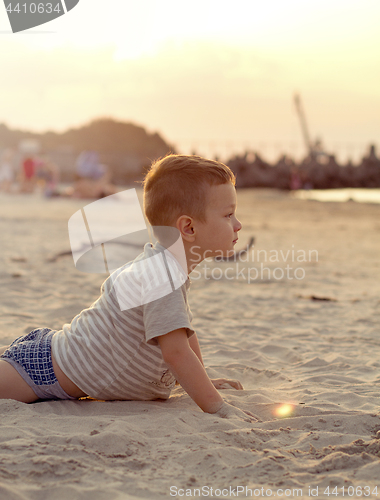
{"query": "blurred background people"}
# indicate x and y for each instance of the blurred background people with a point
(28, 178)
(47, 174)
(92, 177)
(6, 171)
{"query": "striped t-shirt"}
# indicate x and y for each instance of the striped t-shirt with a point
(110, 350)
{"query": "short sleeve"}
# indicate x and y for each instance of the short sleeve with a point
(166, 314)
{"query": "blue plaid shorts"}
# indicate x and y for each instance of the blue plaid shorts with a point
(30, 355)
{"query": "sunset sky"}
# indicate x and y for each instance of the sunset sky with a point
(208, 74)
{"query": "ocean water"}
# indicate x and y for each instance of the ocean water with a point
(361, 195)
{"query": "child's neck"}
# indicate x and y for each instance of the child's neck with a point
(179, 252)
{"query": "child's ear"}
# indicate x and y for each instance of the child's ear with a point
(185, 225)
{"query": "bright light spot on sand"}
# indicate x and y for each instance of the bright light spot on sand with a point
(285, 410)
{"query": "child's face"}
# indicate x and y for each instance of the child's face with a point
(219, 233)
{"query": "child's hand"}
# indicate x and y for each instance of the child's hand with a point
(223, 383)
(229, 411)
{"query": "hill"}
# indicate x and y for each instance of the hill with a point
(126, 148)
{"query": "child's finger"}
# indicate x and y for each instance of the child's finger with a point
(235, 384)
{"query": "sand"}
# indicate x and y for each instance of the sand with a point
(320, 357)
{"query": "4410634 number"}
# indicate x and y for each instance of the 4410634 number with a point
(352, 491)
(34, 8)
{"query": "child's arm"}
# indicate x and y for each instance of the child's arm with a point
(218, 383)
(191, 374)
(194, 344)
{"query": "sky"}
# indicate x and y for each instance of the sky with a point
(210, 76)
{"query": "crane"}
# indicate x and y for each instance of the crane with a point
(314, 149)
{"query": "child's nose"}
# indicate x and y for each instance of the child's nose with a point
(238, 225)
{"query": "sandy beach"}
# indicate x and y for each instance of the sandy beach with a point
(297, 324)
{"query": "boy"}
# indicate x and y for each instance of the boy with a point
(136, 340)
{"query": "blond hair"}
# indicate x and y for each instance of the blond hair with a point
(177, 185)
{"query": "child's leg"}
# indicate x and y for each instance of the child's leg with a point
(12, 385)
(31, 375)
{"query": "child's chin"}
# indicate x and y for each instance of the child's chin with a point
(223, 253)
(229, 253)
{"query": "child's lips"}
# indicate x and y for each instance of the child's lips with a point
(235, 240)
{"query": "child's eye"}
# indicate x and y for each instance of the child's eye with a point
(229, 215)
